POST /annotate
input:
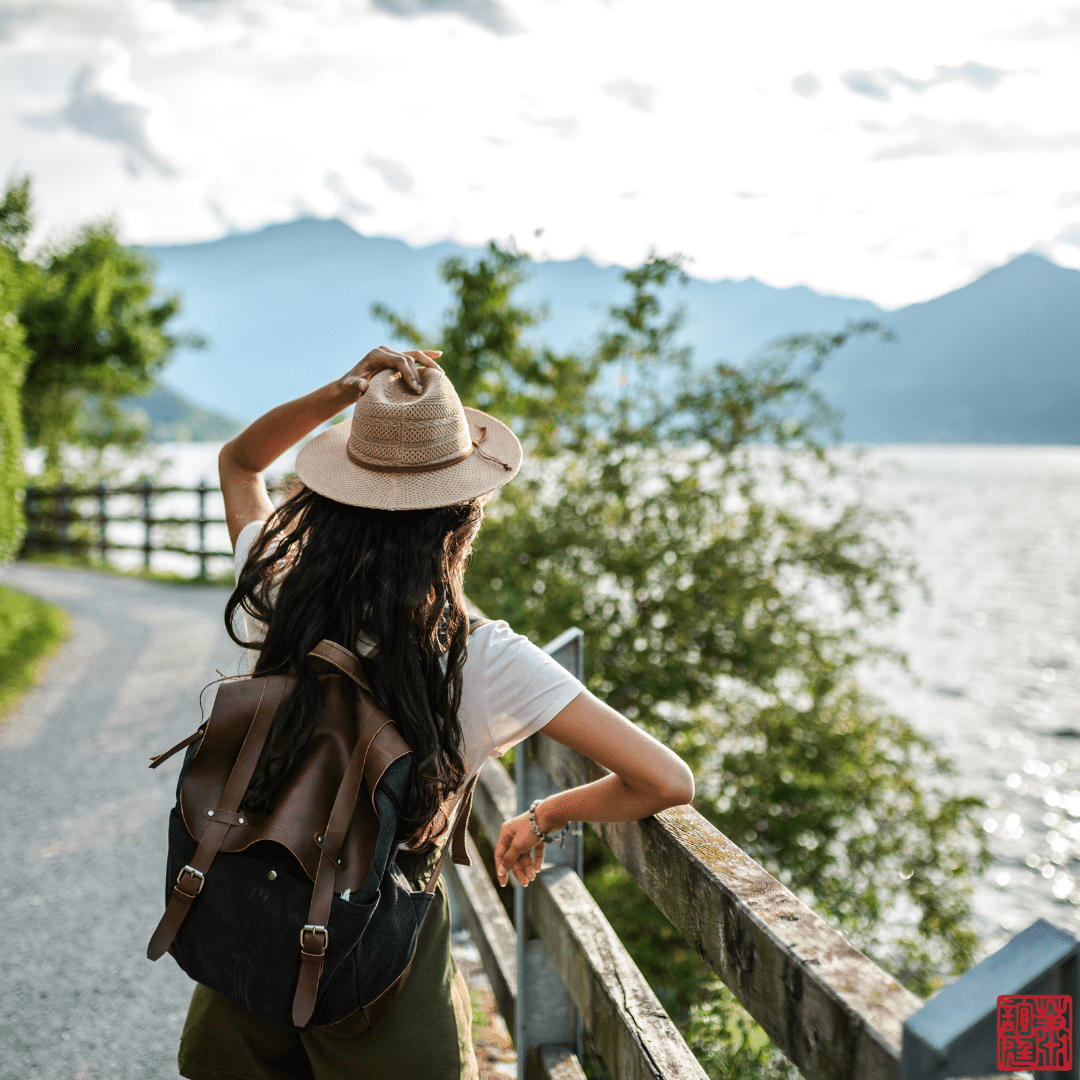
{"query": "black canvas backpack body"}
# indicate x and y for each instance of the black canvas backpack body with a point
(301, 916)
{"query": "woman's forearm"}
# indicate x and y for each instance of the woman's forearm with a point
(262, 442)
(645, 777)
(243, 460)
(607, 799)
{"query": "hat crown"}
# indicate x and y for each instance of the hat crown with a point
(394, 427)
(409, 449)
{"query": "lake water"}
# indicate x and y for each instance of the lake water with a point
(995, 661)
(994, 655)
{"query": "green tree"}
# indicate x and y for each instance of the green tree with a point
(543, 394)
(14, 357)
(95, 330)
(716, 546)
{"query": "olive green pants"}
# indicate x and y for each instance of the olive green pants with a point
(426, 1035)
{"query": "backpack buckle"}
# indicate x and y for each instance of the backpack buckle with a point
(309, 929)
(195, 874)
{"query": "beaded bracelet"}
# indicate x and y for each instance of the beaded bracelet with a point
(548, 838)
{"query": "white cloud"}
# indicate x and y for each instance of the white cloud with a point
(487, 13)
(885, 152)
(113, 110)
(806, 85)
(395, 175)
(1059, 24)
(879, 84)
(638, 95)
(922, 136)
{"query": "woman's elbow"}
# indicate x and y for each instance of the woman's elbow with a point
(224, 461)
(678, 788)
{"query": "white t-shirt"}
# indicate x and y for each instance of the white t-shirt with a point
(510, 688)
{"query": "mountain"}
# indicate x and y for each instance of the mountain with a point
(288, 307)
(997, 361)
(173, 418)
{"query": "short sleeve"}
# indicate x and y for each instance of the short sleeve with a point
(243, 545)
(517, 688)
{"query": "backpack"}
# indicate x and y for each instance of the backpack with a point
(252, 909)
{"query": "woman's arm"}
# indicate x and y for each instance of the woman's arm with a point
(245, 458)
(646, 777)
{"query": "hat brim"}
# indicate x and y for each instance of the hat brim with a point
(324, 466)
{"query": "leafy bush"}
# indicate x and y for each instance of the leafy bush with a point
(701, 526)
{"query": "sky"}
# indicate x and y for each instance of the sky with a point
(891, 151)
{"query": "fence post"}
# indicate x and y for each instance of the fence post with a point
(203, 489)
(62, 504)
(30, 513)
(103, 521)
(147, 522)
(544, 1014)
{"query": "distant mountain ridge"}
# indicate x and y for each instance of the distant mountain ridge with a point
(171, 417)
(288, 307)
(997, 361)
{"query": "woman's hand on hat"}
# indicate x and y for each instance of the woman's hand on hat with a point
(519, 851)
(407, 364)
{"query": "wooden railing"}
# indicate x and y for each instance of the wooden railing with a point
(76, 521)
(833, 1012)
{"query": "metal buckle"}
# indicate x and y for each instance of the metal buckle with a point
(315, 930)
(194, 873)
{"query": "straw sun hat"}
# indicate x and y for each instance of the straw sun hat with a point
(410, 451)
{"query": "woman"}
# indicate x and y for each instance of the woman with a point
(370, 552)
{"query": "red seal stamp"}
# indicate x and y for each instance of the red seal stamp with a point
(1034, 1031)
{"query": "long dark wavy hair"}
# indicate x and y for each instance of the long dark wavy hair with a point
(322, 569)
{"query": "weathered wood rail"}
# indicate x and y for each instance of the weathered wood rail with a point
(831, 1010)
(76, 521)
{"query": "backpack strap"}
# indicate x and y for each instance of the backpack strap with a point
(189, 881)
(158, 759)
(314, 937)
(344, 660)
(456, 844)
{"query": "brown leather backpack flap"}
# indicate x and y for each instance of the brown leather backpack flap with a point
(303, 809)
(386, 748)
(224, 735)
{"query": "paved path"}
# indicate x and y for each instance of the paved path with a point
(83, 826)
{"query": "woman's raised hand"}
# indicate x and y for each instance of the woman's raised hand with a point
(407, 363)
(519, 851)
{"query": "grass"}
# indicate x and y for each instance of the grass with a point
(30, 630)
(83, 562)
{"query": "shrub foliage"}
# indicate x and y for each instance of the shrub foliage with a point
(702, 526)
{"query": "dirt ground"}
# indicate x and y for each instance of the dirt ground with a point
(494, 1047)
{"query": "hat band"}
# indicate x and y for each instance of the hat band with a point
(437, 465)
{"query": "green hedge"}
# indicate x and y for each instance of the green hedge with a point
(13, 360)
(30, 629)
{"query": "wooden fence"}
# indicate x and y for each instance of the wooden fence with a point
(75, 521)
(833, 1012)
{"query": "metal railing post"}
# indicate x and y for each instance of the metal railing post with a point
(544, 1014)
